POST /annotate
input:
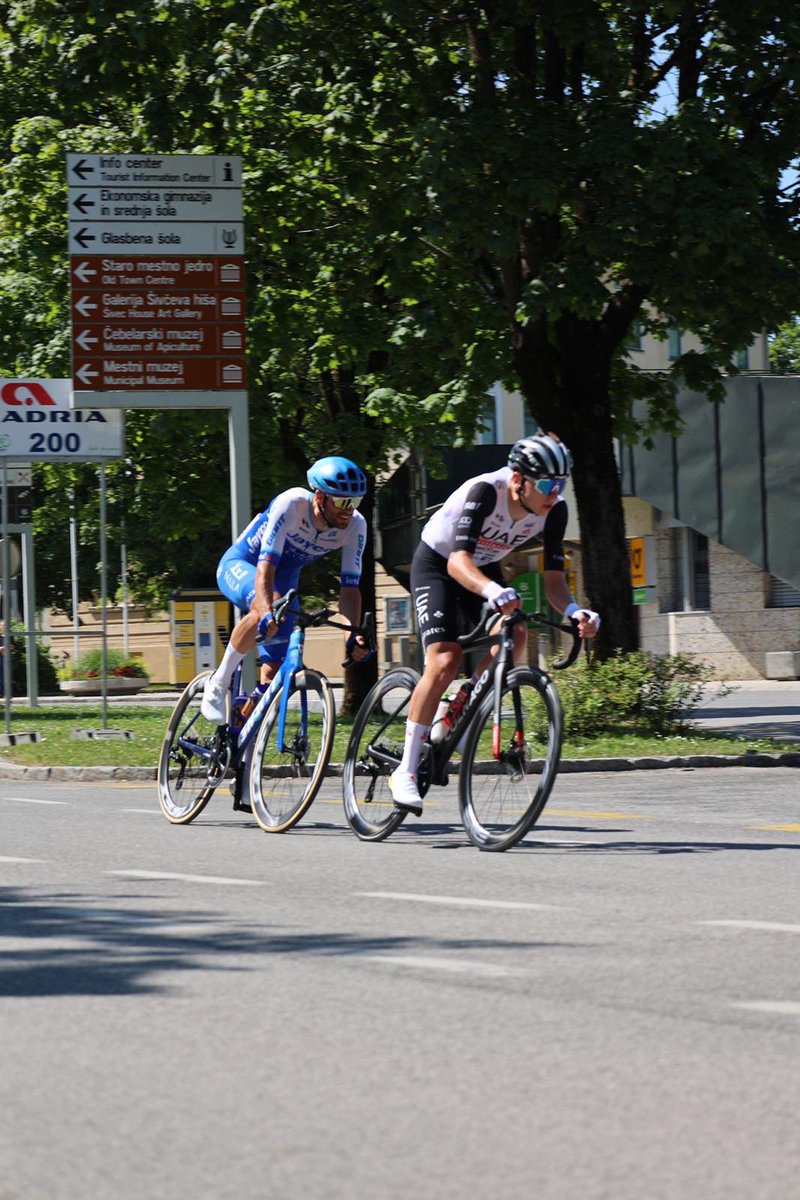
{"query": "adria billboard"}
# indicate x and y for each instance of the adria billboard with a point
(38, 425)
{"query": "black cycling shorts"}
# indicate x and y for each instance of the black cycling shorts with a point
(444, 608)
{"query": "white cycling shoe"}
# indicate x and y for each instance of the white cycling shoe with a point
(213, 705)
(404, 792)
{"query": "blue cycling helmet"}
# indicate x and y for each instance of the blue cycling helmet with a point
(337, 476)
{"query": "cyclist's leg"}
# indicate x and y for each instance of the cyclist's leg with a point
(236, 580)
(272, 653)
(435, 597)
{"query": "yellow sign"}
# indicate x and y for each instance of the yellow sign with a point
(638, 559)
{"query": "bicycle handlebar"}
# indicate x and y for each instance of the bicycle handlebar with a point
(323, 616)
(481, 633)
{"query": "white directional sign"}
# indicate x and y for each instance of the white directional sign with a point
(179, 237)
(38, 425)
(154, 170)
(181, 203)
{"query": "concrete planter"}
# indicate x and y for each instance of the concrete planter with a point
(116, 685)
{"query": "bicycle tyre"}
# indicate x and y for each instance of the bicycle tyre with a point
(497, 801)
(178, 767)
(377, 730)
(284, 783)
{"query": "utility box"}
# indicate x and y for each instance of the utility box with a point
(199, 627)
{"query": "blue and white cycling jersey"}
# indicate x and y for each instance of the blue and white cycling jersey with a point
(285, 534)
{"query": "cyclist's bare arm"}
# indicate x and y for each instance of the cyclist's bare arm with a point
(461, 567)
(350, 608)
(559, 595)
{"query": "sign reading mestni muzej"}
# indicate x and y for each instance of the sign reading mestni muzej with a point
(37, 424)
(156, 248)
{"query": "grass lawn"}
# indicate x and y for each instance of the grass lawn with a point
(58, 747)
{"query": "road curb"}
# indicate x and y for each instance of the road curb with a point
(568, 765)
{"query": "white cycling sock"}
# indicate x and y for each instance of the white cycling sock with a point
(230, 661)
(415, 736)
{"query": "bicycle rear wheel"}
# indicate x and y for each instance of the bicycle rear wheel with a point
(190, 744)
(285, 779)
(374, 750)
(506, 775)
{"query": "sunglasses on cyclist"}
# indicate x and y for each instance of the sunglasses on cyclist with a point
(345, 503)
(546, 487)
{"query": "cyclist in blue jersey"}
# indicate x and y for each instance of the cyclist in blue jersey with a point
(296, 528)
(456, 567)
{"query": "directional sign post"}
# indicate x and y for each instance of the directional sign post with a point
(156, 247)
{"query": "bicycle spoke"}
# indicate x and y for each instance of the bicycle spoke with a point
(193, 758)
(285, 778)
(507, 772)
(375, 749)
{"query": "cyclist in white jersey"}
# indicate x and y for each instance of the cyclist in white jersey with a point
(456, 568)
(296, 528)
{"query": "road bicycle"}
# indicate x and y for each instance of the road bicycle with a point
(277, 753)
(511, 729)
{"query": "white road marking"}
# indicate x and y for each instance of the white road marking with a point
(776, 926)
(789, 1008)
(188, 878)
(151, 812)
(10, 859)
(31, 800)
(457, 901)
(455, 966)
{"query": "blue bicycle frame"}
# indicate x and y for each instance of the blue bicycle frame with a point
(291, 664)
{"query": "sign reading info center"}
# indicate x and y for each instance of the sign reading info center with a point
(157, 274)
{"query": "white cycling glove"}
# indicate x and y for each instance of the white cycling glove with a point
(572, 610)
(496, 595)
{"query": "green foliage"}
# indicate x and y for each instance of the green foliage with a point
(784, 349)
(47, 674)
(90, 665)
(437, 197)
(639, 692)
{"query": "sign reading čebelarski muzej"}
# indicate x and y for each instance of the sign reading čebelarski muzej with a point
(156, 245)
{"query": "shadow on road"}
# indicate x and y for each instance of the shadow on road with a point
(120, 950)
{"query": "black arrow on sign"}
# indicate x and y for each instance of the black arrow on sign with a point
(83, 237)
(82, 169)
(83, 203)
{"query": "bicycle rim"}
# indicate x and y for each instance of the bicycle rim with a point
(501, 798)
(285, 779)
(374, 750)
(189, 741)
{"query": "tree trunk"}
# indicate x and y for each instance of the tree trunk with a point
(574, 402)
(358, 679)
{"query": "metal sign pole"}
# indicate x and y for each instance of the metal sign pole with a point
(103, 597)
(6, 571)
(73, 565)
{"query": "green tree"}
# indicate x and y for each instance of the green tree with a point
(539, 180)
(784, 349)
(438, 196)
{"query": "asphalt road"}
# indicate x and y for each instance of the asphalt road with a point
(611, 1010)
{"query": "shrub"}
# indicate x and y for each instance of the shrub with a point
(48, 678)
(90, 666)
(648, 692)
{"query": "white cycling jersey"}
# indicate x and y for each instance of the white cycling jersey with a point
(475, 518)
(285, 534)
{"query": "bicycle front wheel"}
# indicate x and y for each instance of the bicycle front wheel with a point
(374, 750)
(507, 774)
(284, 779)
(187, 754)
